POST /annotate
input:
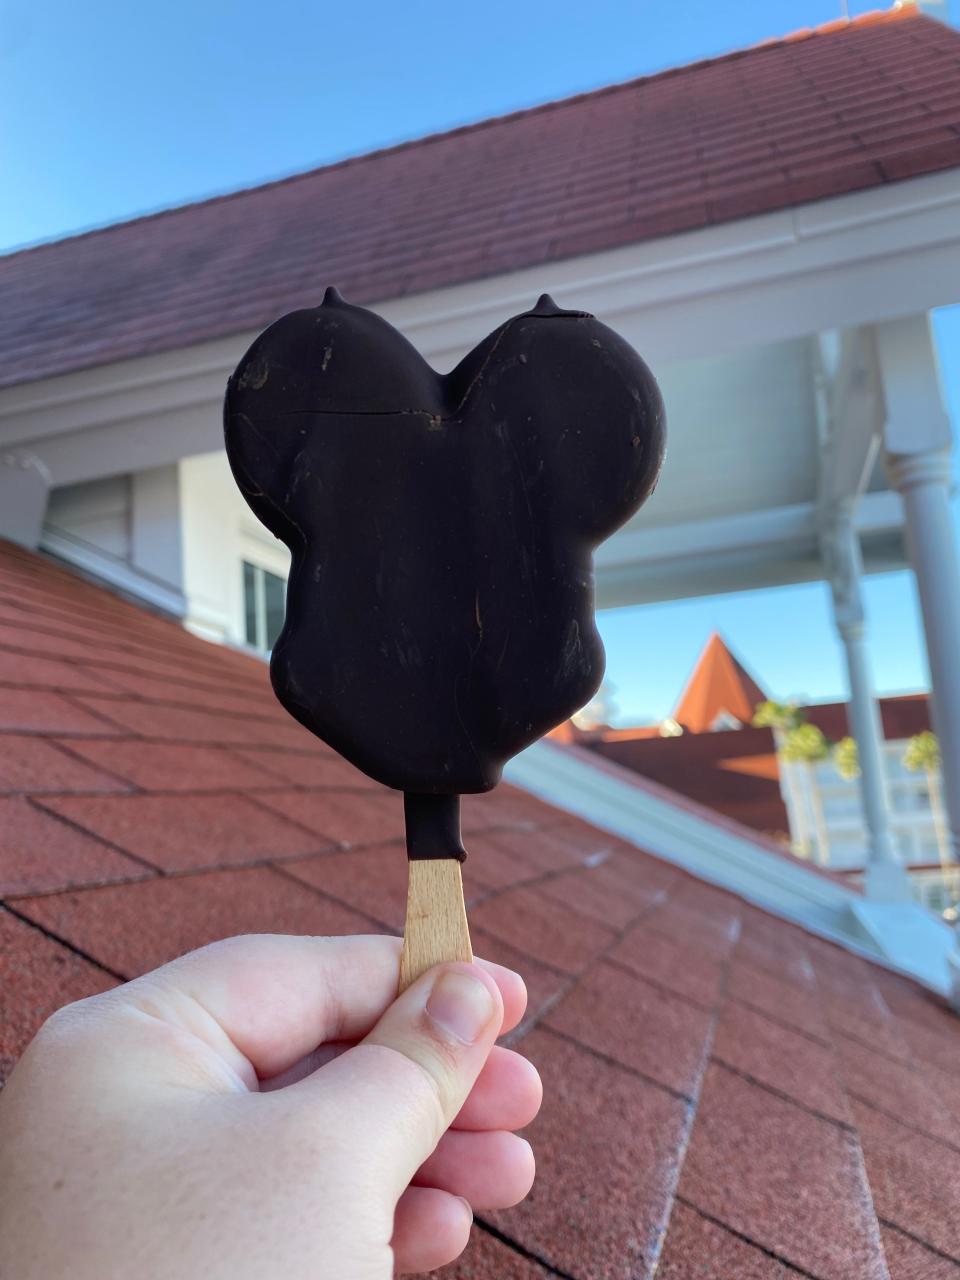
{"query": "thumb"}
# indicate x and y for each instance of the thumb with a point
(401, 1087)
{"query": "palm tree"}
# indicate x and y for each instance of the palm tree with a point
(846, 758)
(779, 716)
(785, 718)
(806, 745)
(923, 754)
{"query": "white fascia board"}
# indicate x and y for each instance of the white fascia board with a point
(913, 940)
(144, 587)
(873, 255)
(900, 936)
(637, 812)
(741, 552)
(792, 526)
(169, 382)
(721, 571)
(131, 444)
(723, 574)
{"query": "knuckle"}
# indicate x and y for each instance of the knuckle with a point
(73, 1025)
(70, 1018)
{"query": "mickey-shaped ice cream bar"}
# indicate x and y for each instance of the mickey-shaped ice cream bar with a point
(440, 602)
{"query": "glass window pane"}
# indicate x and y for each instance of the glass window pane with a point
(250, 602)
(275, 590)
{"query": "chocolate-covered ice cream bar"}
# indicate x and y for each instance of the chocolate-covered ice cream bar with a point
(441, 526)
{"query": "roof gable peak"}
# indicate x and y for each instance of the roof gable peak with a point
(719, 689)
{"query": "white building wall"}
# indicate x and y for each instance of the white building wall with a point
(96, 512)
(176, 535)
(820, 795)
(125, 529)
(219, 533)
(156, 535)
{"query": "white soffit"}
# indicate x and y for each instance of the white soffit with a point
(744, 427)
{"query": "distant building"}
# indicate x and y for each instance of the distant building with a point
(708, 750)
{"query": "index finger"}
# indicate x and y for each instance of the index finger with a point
(277, 997)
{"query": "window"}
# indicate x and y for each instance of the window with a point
(725, 720)
(264, 596)
(840, 803)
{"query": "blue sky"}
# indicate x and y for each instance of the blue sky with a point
(112, 109)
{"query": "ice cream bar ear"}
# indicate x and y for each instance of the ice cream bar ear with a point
(441, 526)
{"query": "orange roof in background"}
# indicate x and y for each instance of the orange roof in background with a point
(733, 773)
(707, 1067)
(845, 107)
(762, 765)
(901, 715)
(719, 683)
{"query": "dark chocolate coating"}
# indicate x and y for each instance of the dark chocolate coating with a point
(440, 602)
(433, 826)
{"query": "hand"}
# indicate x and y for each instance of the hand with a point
(261, 1108)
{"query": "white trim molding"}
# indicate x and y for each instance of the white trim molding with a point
(902, 936)
(115, 571)
(24, 491)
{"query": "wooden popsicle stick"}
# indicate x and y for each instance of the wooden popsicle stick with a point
(436, 927)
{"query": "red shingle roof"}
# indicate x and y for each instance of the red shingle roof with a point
(733, 772)
(902, 716)
(722, 1090)
(842, 108)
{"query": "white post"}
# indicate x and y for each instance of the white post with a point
(885, 878)
(918, 439)
(923, 480)
(24, 490)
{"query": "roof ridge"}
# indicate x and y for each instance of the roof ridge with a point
(901, 10)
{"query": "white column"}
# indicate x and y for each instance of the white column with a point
(924, 481)
(24, 491)
(918, 438)
(885, 878)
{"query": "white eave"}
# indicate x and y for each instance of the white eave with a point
(870, 256)
(843, 265)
